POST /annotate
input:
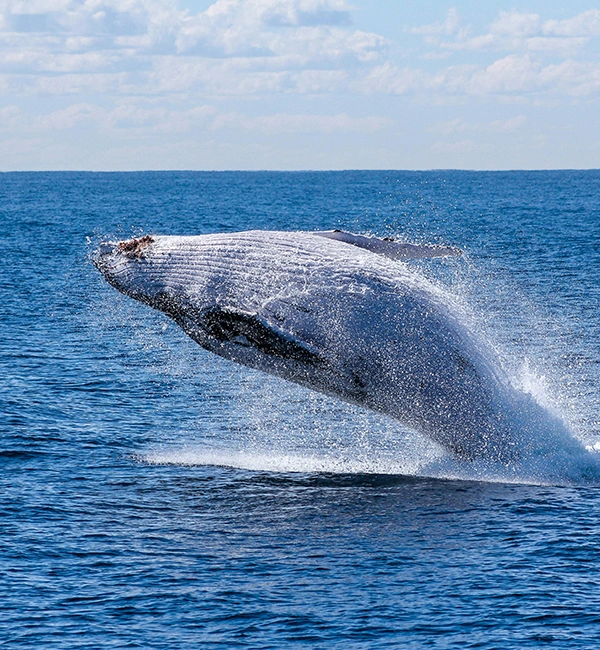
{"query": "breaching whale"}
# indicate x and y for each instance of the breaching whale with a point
(342, 314)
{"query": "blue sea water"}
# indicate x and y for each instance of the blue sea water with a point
(156, 496)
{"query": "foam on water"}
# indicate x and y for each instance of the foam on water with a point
(560, 469)
(265, 461)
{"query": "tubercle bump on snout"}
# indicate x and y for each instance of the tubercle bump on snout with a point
(135, 247)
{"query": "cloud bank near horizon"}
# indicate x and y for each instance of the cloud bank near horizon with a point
(132, 77)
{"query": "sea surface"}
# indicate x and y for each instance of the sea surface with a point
(156, 496)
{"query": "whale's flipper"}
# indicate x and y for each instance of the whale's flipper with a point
(249, 329)
(388, 247)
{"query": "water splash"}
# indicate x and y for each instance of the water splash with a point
(559, 469)
(282, 428)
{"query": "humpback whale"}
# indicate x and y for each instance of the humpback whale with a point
(339, 313)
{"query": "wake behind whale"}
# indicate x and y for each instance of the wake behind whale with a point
(347, 316)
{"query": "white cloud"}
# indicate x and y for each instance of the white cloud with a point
(261, 47)
(516, 25)
(149, 120)
(585, 24)
(289, 123)
(159, 120)
(511, 74)
(510, 125)
(127, 116)
(391, 79)
(522, 74)
(515, 74)
(9, 117)
(570, 77)
(495, 126)
(250, 27)
(559, 46)
(517, 31)
(147, 46)
(69, 117)
(452, 26)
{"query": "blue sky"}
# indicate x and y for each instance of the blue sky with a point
(298, 84)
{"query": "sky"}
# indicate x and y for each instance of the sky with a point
(299, 84)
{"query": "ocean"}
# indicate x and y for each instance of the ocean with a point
(156, 496)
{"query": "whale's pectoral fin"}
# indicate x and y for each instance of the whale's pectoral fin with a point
(388, 247)
(248, 329)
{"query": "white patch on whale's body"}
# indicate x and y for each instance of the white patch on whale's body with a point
(334, 313)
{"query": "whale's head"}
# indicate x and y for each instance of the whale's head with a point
(209, 289)
(129, 267)
(152, 269)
